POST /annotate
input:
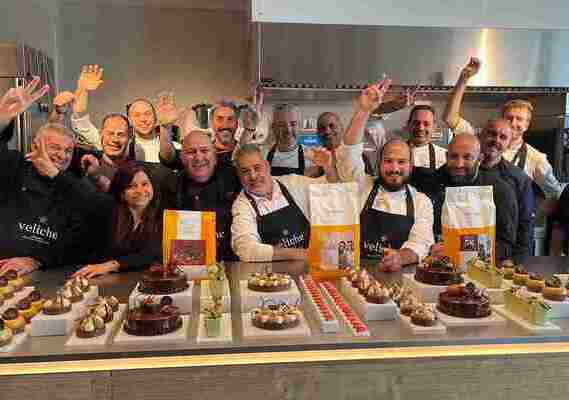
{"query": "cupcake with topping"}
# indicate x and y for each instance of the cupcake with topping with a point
(80, 282)
(36, 299)
(90, 326)
(13, 320)
(111, 300)
(5, 334)
(424, 315)
(6, 291)
(58, 305)
(508, 269)
(72, 292)
(14, 280)
(377, 293)
(535, 282)
(520, 276)
(103, 310)
(554, 289)
(26, 310)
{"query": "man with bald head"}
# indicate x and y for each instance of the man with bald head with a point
(463, 169)
(495, 139)
(204, 184)
(391, 209)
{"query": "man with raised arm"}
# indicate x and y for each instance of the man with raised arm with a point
(391, 209)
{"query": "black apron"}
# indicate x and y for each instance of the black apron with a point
(375, 224)
(287, 227)
(279, 171)
(520, 160)
(424, 173)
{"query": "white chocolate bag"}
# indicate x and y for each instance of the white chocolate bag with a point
(334, 227)
(469, 224)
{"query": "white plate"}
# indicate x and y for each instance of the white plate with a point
(547, 328)
(179, 335)
(105, 338)
(439, 328)
(493, 319)
(250, 331)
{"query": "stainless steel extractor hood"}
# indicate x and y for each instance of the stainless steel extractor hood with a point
(345, 57)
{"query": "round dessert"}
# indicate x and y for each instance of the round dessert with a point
(103, 310)
(520, 276)
(90, 326)
(269, 282)
(13, 320)
(377, 293)
(56, 306)
(554, 289)
(508, 267)
(5, 334)
(72, 292)
(161, 280)
(276, 317)
(26, 310)
(535, 282)
(111, 300)
(153, 318)
(359, 276)
(424, 315)
(80, 282)
(408, 304)
(441, 272)
(36, 299)
(14, 280)
(6, 291)
(465, 302)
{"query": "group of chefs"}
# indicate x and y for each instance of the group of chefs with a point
(94, 197)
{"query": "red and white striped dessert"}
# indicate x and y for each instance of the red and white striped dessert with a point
(326, 318)
(351, 319)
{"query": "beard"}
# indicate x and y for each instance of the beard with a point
(463, 180)
(395, 187)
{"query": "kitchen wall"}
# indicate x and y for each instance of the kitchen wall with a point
(200, 55)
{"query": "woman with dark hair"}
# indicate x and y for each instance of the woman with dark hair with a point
(133, 223)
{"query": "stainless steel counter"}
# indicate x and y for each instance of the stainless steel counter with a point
(384, 334)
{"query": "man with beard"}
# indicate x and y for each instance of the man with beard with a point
(286, 156)
(270, 215)
(204, 184)
(420, 125)
(223, 121)
(463, 169)
(494, 140)
(38, 226)
(392, 210)
(518, 113)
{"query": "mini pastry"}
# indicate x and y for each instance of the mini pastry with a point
(56, 306)
(554, 289)
(508, 269)
(36, 299)
(90, 326)
(276, 317)
(26, 310)
(5, 334)
(6, 291)
(14, 321)
(535, 283)
(363, 284)
(269, 281)
(111, 300)
(408, 304)
(424, 315)
(14, 280)
(520, 275)
(81, 282)
(377, 293)
(103, 310)
(72, 292)
(358, 277)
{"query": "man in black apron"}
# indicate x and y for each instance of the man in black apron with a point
(270, 215)
(204, 185)
(287, 155)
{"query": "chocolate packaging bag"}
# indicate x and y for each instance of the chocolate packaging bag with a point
(469, 224)
(334, 227)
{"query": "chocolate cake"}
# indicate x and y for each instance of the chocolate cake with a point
(441, 272)
(464, 302)
(162, 280)
(153, 318)
(276, 317)
(269, 281)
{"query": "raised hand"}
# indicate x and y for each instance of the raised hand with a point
(17, 100)
(89, 164)
(166, 109)
(471, 68)
(62, 100)
(90, 78)
(319, 156)
(372, 96)
(40, 158)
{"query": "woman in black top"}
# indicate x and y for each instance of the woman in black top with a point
(133, 219)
